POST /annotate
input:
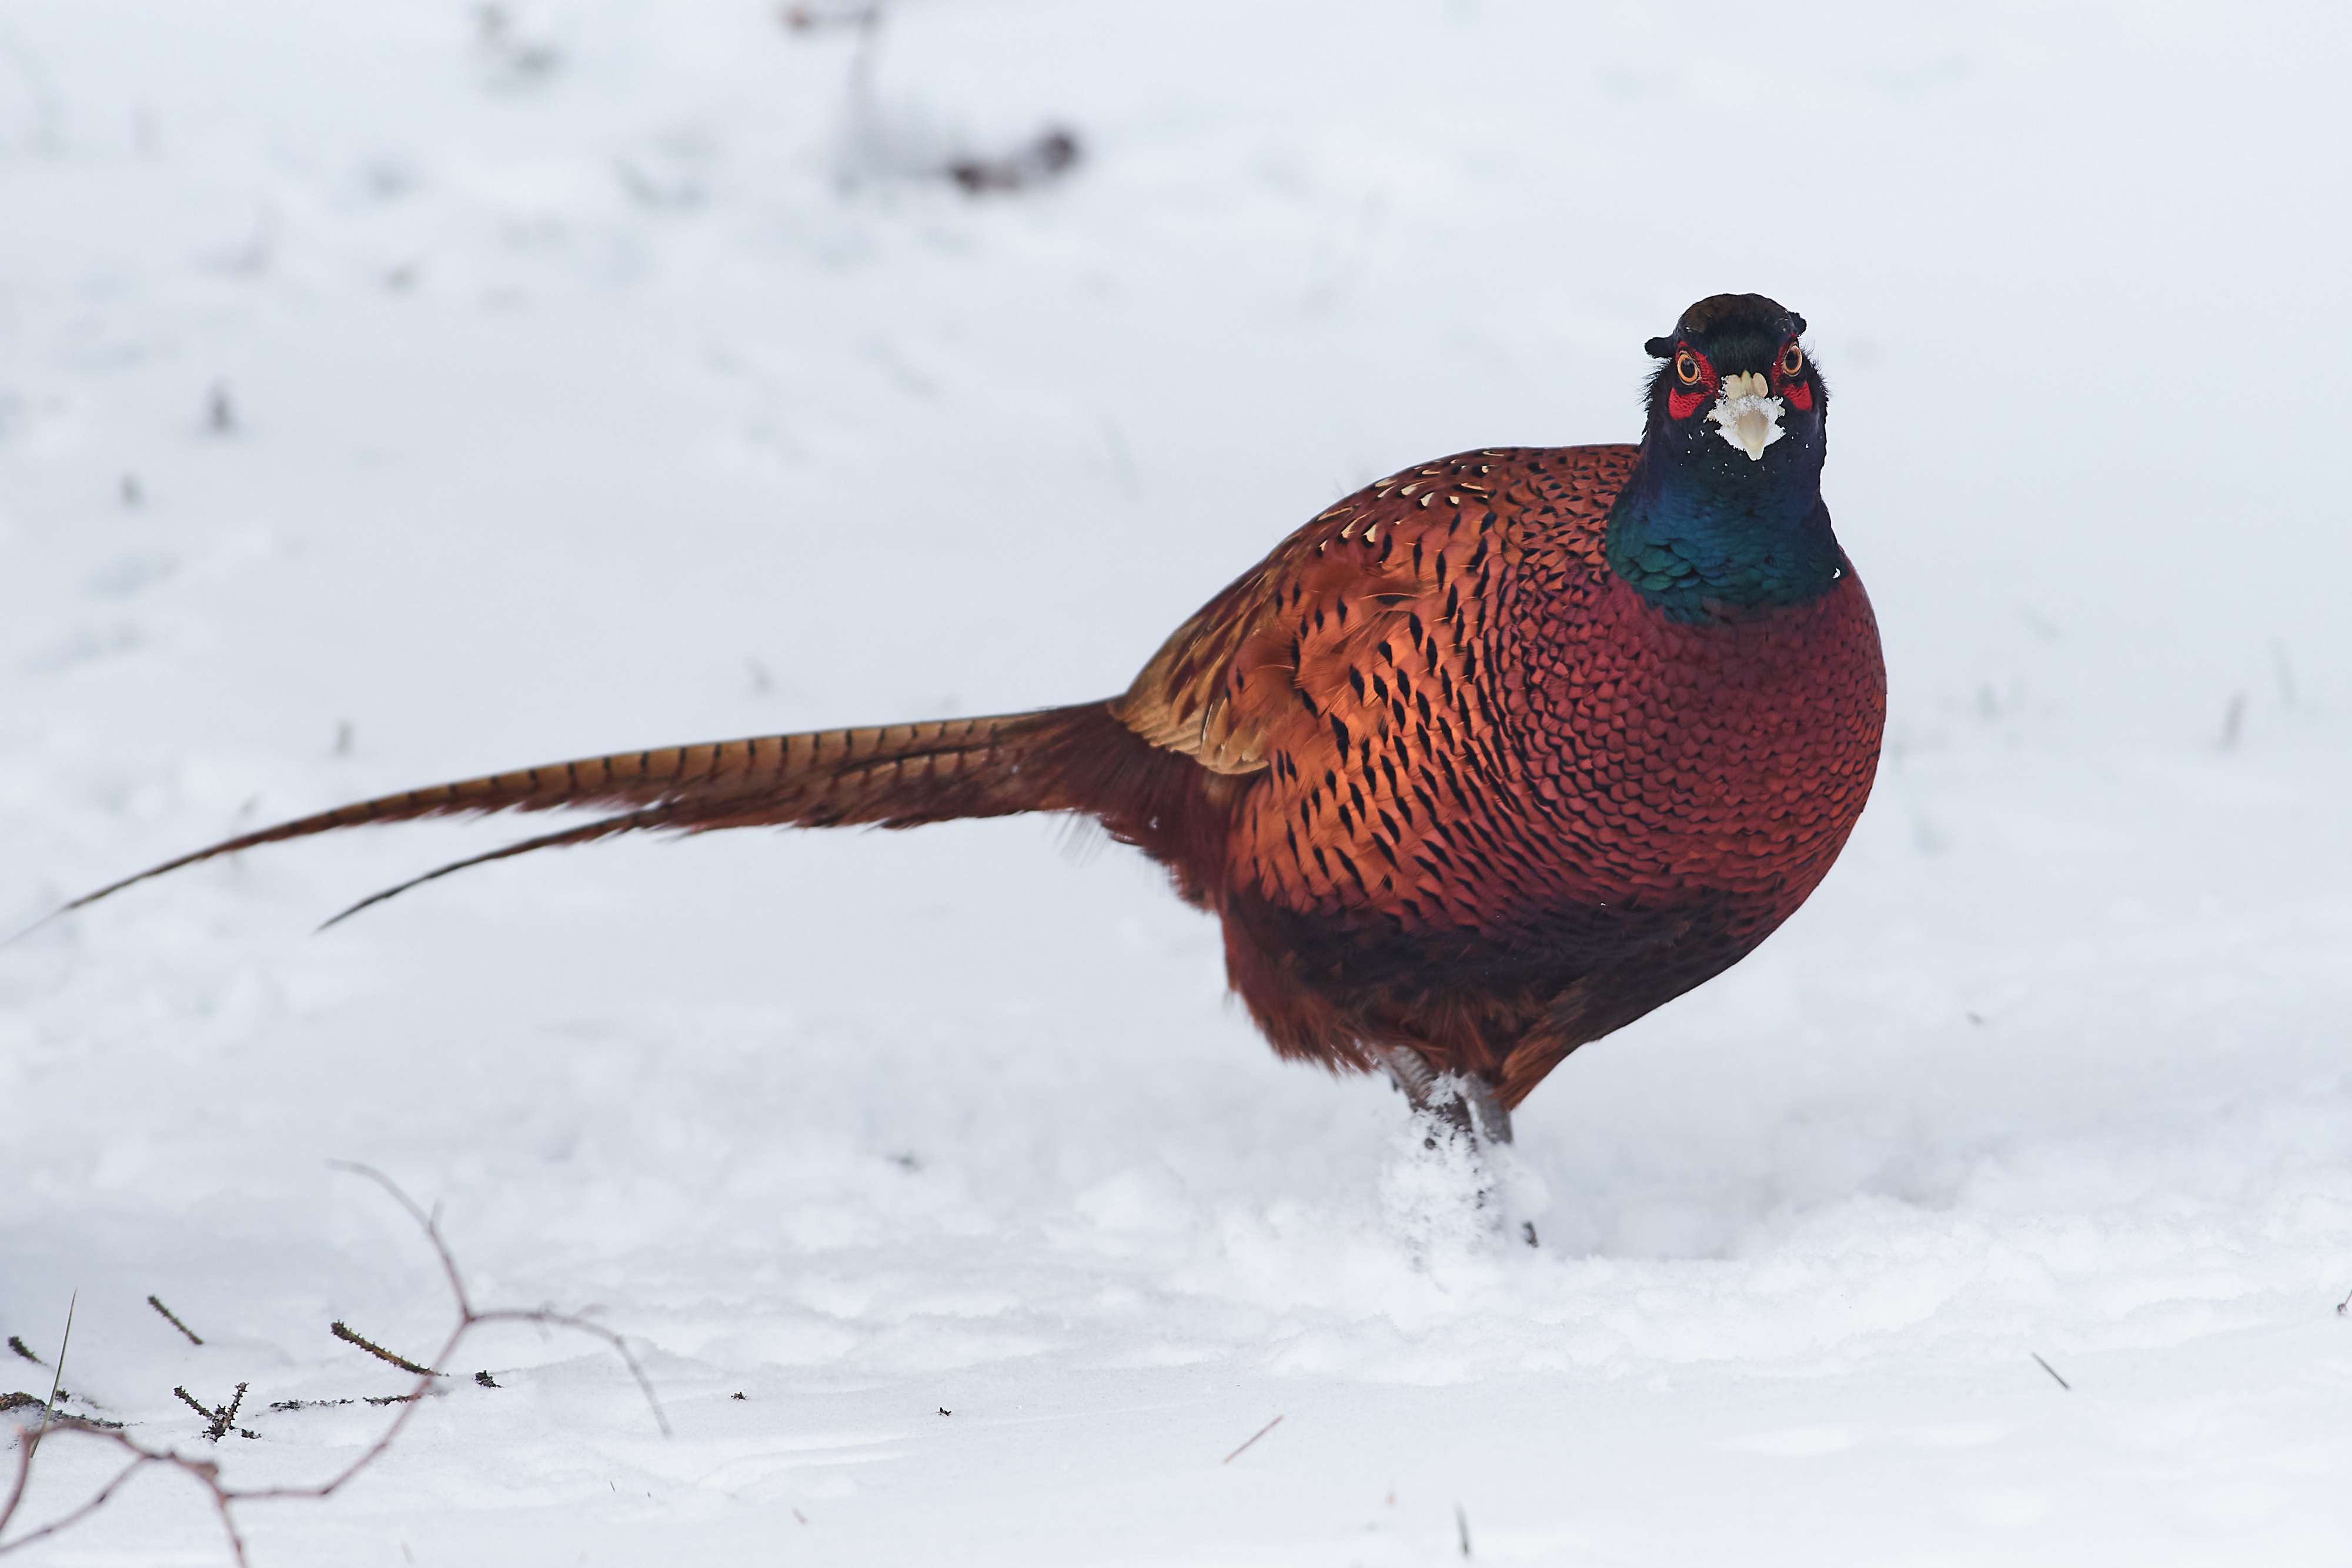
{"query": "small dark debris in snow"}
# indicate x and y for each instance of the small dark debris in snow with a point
(737, 1395)
(133, 493)
(306, 1404)
(59, 1416)
(2051, 1370)
(485, 1380)
(1254, 1436)
(19, 1346)
(799, 1515)
(343, 738)
(907, 1162)
(2344, 1307)
(220, 411)
(1054, 153)
(945, 1411)
(343, 1331)
(169, 1317)
(1461, 1529)
(1976, 1017)
(394, 1398)
(516, 60)
(2233, 721)
(1527, 1232)
(809, 19)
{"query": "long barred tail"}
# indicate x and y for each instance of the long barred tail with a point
(892, 776)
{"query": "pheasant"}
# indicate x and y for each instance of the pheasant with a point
(1486, 762)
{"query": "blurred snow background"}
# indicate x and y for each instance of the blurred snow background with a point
(387, 395)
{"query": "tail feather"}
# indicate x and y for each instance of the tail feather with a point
(602, 829)
(894, 776)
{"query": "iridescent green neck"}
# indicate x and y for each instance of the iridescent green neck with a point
(1703, 537)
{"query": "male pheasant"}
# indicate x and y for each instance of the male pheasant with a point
(1489, 760)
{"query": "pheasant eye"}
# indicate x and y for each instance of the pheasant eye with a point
(1793, 361)
(1686, 368)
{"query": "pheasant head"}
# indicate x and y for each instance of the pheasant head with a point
(1734, 381)
(1724, 513)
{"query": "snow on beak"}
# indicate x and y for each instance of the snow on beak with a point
(1747, 414)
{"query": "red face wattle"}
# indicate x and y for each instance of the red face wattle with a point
(1696, 381)
(1788, 376)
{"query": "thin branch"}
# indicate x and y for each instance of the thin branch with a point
(207, 1472)
(172, 1319)
(343, 1332)
(97, 1499)
(1254, 1436)
(425, 1222)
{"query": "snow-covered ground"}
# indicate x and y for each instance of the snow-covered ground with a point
(381, 401)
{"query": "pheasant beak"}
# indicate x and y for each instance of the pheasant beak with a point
(1747, 414)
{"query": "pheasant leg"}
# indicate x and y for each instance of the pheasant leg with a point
(1466, 1105)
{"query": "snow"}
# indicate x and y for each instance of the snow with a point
(382, 402)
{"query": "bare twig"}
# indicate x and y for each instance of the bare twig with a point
(1254, 1436)
(173, 1318)
(2051, 1370)
(225, 1498)
(342, 1331)
(219, 1419)
(21, 1348)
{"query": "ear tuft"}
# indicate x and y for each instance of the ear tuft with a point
(1661, 347)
